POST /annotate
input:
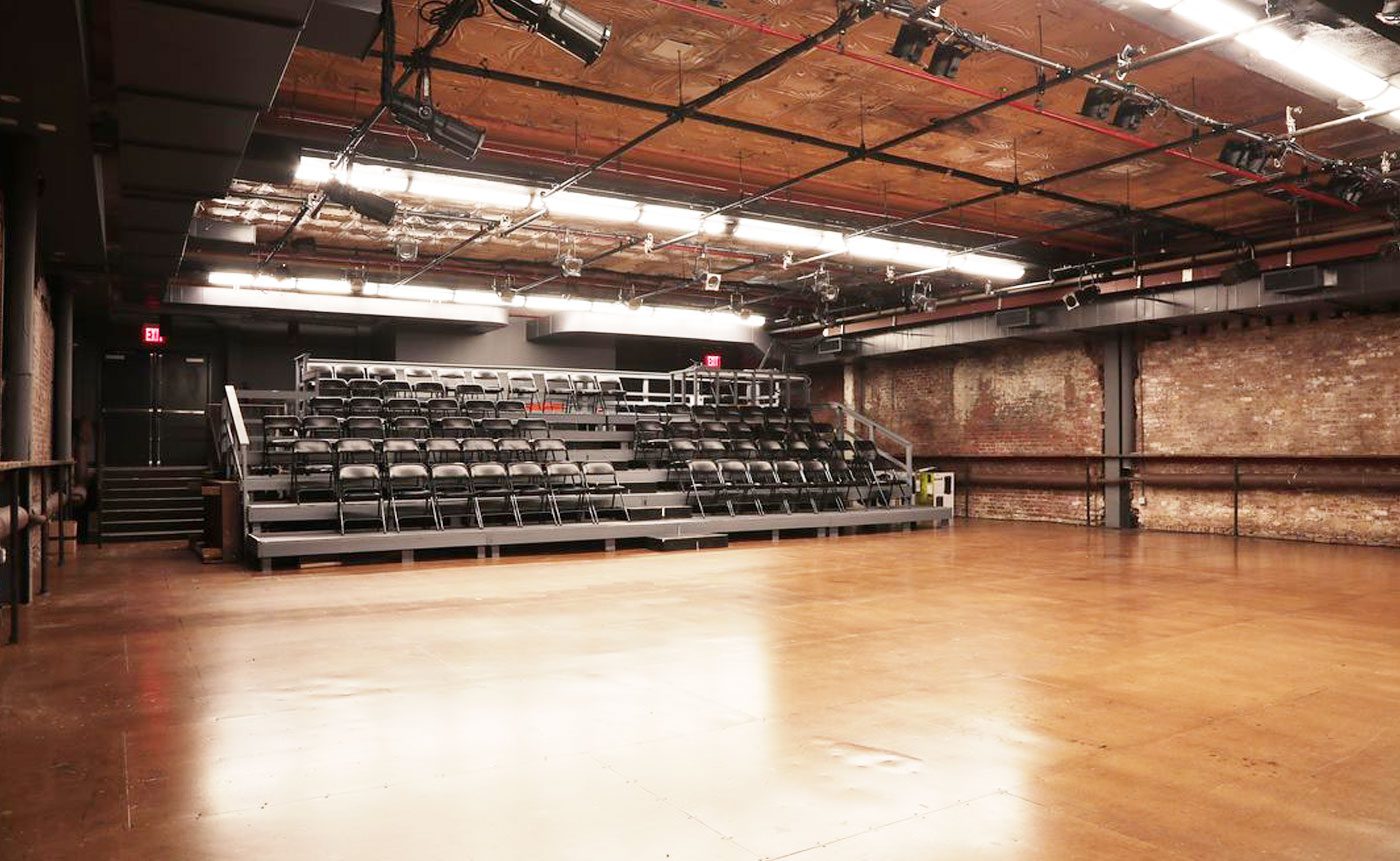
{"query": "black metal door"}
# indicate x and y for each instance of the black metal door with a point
(153, 409)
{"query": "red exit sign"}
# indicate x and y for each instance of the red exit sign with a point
(151, 336)
(714, 360)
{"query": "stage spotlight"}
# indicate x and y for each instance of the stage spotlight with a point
(447, 132)
(1130, 115)
(371, 206)
(910, 43)
(570, 266)
(1347, 189)
(947, 56)
(1080, 296)
(1098, 102)
(561, 24)
(1240, 272)
(1245, 155)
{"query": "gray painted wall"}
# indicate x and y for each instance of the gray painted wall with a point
(505, 346)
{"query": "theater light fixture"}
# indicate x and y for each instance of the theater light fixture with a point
(371, 206)
(491, 196)
(464, 296)
(948, 56)
(561, 24)
(1348, 189)
(1390, 13)
(1240, 272)
(1099, 102)
(1249, 156)
(910, 43)
(1081, 296)
(453, 135)
(1130, 114)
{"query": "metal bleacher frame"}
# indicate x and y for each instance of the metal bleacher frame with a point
(282, 529)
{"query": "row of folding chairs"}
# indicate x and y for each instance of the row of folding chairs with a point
(652, 429)
(312, 456)
(759, 484)
(658, 452)
(570, 391)
(510, 491)
(368, 405)
(282, 427)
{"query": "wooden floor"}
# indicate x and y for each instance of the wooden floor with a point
(994, 691)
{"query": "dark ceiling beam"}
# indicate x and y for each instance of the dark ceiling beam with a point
(682, 112)
(1002, 186)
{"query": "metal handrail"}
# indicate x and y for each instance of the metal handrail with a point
(873, 427)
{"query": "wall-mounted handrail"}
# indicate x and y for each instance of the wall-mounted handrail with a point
(16, 476)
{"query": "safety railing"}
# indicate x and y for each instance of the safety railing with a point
(702, 385)
(22, 513)
(852, 424)
(646, 388)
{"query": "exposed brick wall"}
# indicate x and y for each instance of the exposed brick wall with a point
(1014, 398)
(1330, 386)
(41, 427)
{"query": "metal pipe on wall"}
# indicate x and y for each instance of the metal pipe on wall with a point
(21, 179)
(63, 372)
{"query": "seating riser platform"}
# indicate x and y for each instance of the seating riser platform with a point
(308, 544)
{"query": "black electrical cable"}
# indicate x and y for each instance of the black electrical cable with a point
(438, 12)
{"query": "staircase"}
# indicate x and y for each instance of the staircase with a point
(143, 503)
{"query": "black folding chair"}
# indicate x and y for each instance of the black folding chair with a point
(455, 427)
(365, 427)
(478, 450)
(565, 483)
(550, 450)
(278, 434)
(529, 486)
(451, 484)
(311, 457)
(704, 481)
(600, 479)
(359, 482)
(321, 427)
(490, 483)
(410, 483)
(443, 450)
(408, 427)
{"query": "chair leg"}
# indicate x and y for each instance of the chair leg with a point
(394, 513)
(476, 507)
(437, 512)
(515, 509)
(340, 514)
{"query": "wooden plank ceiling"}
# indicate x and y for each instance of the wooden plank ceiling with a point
(851, 92)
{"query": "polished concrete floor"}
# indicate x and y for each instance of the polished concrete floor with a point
(994, 691)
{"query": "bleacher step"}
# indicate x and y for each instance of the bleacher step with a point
(665, 543)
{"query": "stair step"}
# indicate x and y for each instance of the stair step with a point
(196, 523)
(150, 535)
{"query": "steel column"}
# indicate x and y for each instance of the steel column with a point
(21, 181)
(1119, 427)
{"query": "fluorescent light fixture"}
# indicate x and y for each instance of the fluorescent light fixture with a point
(323, 285)
(987, 267)
(1314, 62)
(374, 177)
(313, 170)
(398, 294)
(788, 236)
(498, 196)
(416, 292)
(1215, 15)
(677, 218)
(592, 207)
(1336, 73)
(921, 256)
